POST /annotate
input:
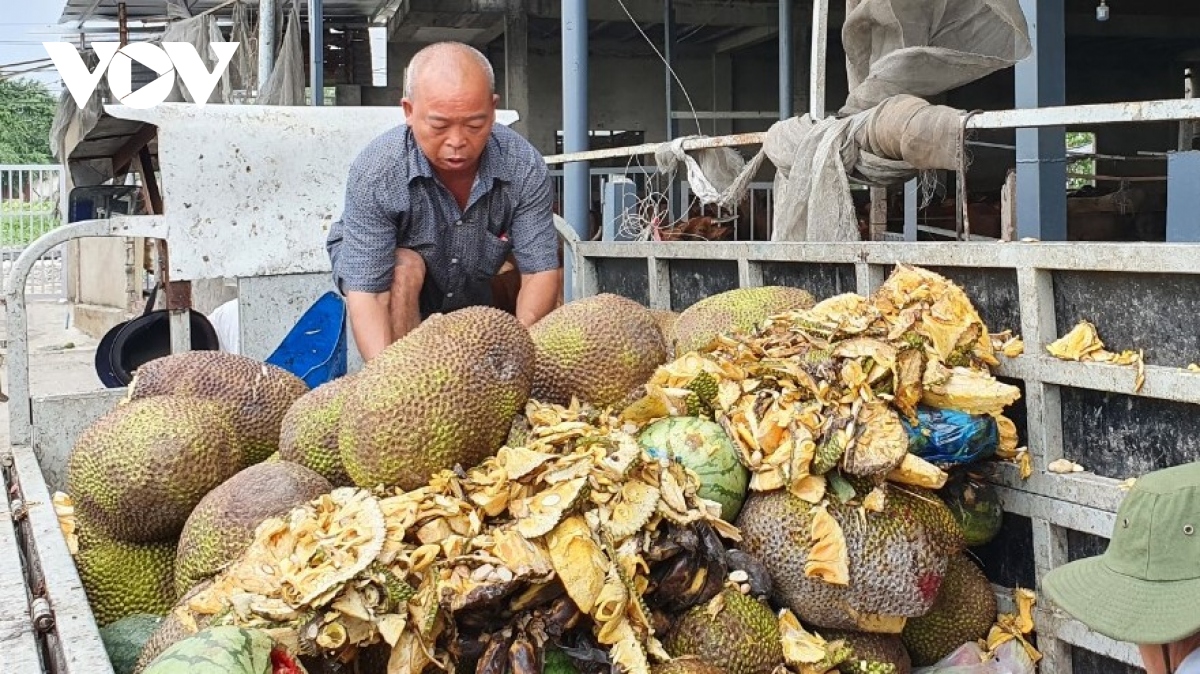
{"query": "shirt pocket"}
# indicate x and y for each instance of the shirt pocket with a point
(493, 250)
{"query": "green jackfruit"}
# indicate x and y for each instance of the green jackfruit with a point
(872, 653)
(124, 579)
(965, 610)
(222, 525)
(309, 432)
(666, 325)
(172, 630)
(262, 393)
(597, 349)
(734, 310)
(688, 664)
(442, 396)
(733, 632)
(896, 557)
(138, 471)
(976, 505)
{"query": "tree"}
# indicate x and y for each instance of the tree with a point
(26, 113)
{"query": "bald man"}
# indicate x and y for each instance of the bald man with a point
(435, 206)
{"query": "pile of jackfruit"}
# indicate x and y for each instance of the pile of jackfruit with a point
(730, 489)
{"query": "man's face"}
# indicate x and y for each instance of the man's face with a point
(451, 120)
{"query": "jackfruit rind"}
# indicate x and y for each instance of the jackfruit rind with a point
(965, 611)
(896, 556)
(261, 392)
(598, 350)
(738, 310)
(308, 434)
(733, 631)
(138, 471)
(123, 579)
(872, 650)
(444, 395)
(223, 523)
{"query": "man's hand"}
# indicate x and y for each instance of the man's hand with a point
(371, 321)
(538, 295)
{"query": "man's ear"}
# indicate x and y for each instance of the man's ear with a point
(495, 100)
(407, 106)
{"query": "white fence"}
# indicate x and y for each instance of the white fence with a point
(32, 202)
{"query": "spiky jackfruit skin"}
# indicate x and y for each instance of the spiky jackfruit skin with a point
(222, 525)
(734, 310)
(309, 431)
(688, 664)
(171, 630)
(597, 349)
(666, 325)
(964, 611)
(123, 579)
(742, 637)
(444, 395)
(873, 653)
(896, 557)
(138, 471)
(262, 393)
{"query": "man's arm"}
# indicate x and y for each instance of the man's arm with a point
(538, 295)
(370, 321)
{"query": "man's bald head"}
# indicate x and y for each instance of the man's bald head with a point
(448, 62)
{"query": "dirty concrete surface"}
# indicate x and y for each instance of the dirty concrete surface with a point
(60, 356)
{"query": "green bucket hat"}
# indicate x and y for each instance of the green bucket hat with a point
(1145, 588)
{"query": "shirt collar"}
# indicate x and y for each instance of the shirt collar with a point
(490, 163)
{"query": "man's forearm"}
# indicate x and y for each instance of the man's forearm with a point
(538, 295)
(371, 322)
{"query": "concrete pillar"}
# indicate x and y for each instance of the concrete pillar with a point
(1041, 153)
(516, 63)
(722, 83)
(1183, 197)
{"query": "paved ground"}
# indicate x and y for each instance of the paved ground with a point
(60, 357)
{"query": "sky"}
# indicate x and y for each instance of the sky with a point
(24, 26)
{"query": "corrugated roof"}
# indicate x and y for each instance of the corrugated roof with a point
(356, 12)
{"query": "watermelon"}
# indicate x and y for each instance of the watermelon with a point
(125, 639)
(705, 448)
(224, 650)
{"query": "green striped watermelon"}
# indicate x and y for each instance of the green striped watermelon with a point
(704, 447)
(224, 650)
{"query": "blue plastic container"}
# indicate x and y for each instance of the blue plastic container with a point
(315, 349)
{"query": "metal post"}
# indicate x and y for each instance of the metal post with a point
(316, 57)
(620, 204)
(785, 59)
(576, 187)
(674, 194)
(816, 70)
(910, 210)
(266, 40)
(1183, 201)
(1042, 152)
(516, 62)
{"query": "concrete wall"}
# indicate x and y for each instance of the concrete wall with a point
(101, 274)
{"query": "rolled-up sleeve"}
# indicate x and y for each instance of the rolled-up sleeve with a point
(366, 260)
(534, 238)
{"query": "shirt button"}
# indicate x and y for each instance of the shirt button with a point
(449, 294)
(453, 260)
(458, 223)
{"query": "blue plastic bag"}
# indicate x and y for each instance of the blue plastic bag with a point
(952, 437)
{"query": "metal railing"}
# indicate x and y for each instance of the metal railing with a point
(31, 204)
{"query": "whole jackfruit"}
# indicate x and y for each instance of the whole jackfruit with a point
(666, 325)
(222, 525)
(688, 664)
(872, 653)
(309, 432)
(733, 632)
(138, 471)
(124, 579)
(733, 310)
(172, 630)
(262, 393)
(444, 395)
(598, 349)
(964, 611)
(896, 558)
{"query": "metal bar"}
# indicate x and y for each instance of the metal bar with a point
(717, 114)
(816, 77)
(1169, 110)
(266, 40)
(576, 200)
(733, 140)
(785, 58)
(675, 198)
(16, 624)
(1183, 173)
(910, 210)
(316, 56)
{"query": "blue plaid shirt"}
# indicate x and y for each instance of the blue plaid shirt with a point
(393, 200)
